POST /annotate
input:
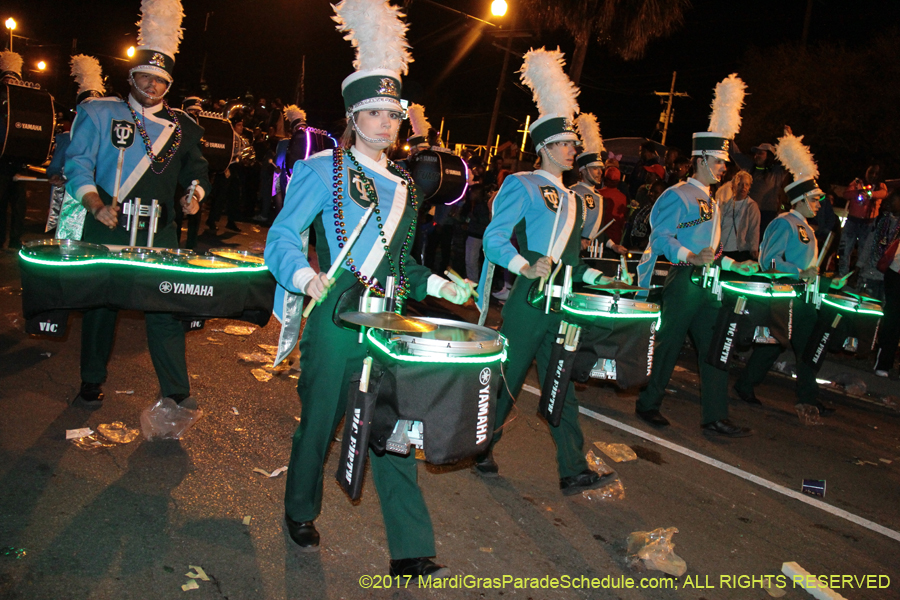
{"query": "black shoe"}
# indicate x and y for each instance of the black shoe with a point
(726, 428)
(586, 480)
(654, 417)
(304, 534)
(90, 396)
(411, 569)
(825, 411)
(748, 398)
(232, 226)
(185, 401)
(485, 465)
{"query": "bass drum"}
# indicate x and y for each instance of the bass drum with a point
(219, 142)
(27, 122)
(441, 177)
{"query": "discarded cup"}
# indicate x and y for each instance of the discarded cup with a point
(656, 550)
(813, 487)
(809, 414)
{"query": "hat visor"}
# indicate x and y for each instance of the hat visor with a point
(153, 71)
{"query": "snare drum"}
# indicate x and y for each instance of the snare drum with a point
(858, 328)
(768, 310)
(140, 254)
(210, 262)
(177, 253)
(239, 256)
(440, 386)
(617, 337)
(63, 250)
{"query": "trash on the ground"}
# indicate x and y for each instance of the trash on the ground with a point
(486, 550)
(261, 375)
(785, 367)
(809, 414)
(246, 520)
(257, 247)
(74, 434)
(255, 357)
(269, 349)
(239, 329)
(190, 585)
(800, 576)
(297, 419)
(657, 551)
(118, 432)
(885, 461)
(212, 339)
(129, 392)
(47, 354)
(195, 376)
(198, 573)
(813, 487)
(671, 391)
(853, 385)
(93, 442)
(612, 491)
(596, 464)
(165, 420)
(860, 462)
(294, 376)
(680, 369)
(13, 553)
(16, 321)
(775, 592)
(235, 410)
(274, 473)
(617, 452)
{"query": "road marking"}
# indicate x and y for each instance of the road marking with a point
(871, 525)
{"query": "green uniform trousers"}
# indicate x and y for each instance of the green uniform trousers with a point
(803, 322)
(165, 333)
(329, 355)
(686, 308)
(531, 334)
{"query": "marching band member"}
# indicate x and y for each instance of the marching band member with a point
(686, 230)
(790, 242)
(590, 164)
(330, 192)
(544, 214)
(161, 150)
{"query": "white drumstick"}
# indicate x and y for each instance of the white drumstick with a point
(602, 229)
(823, 251)
(552, 237)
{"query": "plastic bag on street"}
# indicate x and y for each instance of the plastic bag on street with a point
(617, 452)
(165, 420)
(809, 414)
(596, 464)
(657, 551)
(612, 491)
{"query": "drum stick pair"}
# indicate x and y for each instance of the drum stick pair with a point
(552, 238)
(569, 336)
(341, 257)
(455, 278)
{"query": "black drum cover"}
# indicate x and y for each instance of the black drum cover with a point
(441, 177)
(27, 123)
(218, 143)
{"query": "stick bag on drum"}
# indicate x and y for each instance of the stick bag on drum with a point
(559, 374)
(817, 346)
(357, 427)
(728, 322)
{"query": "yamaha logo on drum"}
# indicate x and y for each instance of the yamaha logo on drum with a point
(187, 289)
(165, 287)
(485, 376)
(28, 126)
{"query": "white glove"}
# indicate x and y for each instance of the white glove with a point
(455, 293)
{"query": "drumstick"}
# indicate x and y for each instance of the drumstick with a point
(190, 193)
(549, 293)
(624, 266)
(601, 230)
(823, 251)
(341, 257)
(455, 278)
(115, 198)
(552, 236)
(366, 373)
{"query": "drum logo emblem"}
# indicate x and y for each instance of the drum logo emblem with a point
(357, 189)
(801, 233)
(589, 200)
(165, 287)
(122, 134)
(485, 376)
(551, 197)
(705, 209)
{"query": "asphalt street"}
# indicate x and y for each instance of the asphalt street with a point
(129, 521)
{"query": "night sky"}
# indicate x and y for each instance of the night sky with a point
(258, 47)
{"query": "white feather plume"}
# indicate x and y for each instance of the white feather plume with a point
(589, 132)
(292, 112)
(417, 120)
(87, 73)
(376, 29)
(160, 26)
(726, 106)
(796, 157)
(11, 61)
(554, 93)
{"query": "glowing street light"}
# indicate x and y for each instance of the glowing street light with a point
(41, 66)
(498, 8)
(130, 52)
(10, 24)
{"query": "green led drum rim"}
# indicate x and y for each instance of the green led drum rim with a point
(859, 311)
(484, 359)
(790, 294)
(111, 261)
(603, 315)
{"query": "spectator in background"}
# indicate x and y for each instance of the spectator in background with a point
(653, 174)
(614, 207)
(863, 203)
(476, 215)
(740, 218)
(276, 124)
(638, 177)
(888, 231)
(672, 155)
(639, 225)
(825, 222)
(769, 179)
(884, 232)
(682, 169)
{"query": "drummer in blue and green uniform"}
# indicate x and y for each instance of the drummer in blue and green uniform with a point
(686, 230)
(527, 204)
(330, 192)
(162, 152)
(790, 245)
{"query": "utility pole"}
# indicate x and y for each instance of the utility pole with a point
(806, 20)
(667, 115)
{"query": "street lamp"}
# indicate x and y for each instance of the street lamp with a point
(130, 52)
(498, 8)
(10, 24)
(41, 65)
